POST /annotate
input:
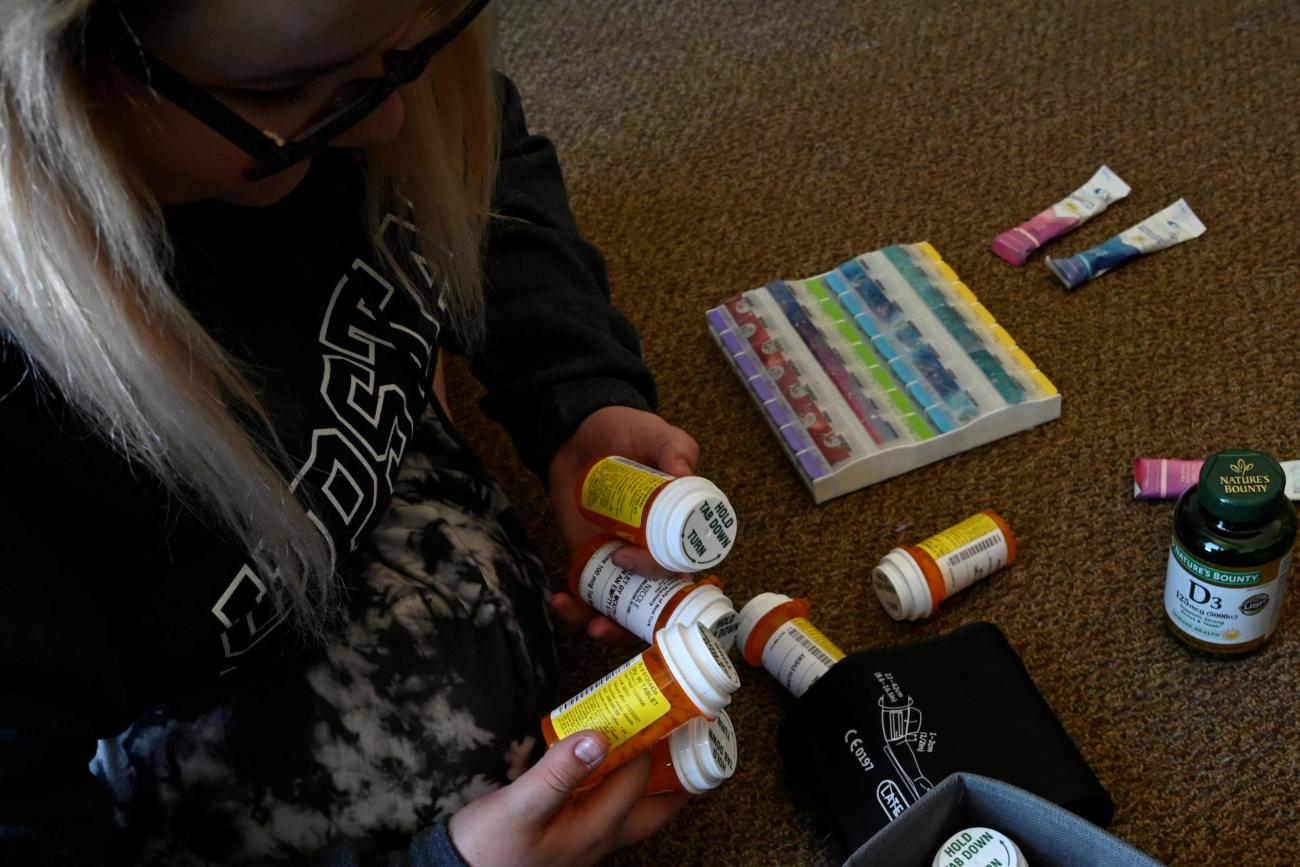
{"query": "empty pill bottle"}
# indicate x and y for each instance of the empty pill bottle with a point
(643, 605)
(685, 674)
(699, 756)
(911, 581)
(775, 633)
(1230, 554)
(687, 523)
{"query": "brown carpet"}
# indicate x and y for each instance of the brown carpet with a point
(712, 146)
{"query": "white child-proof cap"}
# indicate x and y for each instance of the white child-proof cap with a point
(700, 666)
(979, 847)
(704, 753)
(708, 605)
(901, 587)
(687, 528)
(754, 611)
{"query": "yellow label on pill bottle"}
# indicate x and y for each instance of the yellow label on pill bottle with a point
(618, 705)
(619, 488)
(958, 536)
(818, 638)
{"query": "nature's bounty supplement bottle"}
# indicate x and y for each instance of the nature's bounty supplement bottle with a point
(1230, 554)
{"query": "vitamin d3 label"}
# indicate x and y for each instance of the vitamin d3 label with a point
(798, 654)
(1223, 606)
(967, 552)
(618, 488)
(618, 705)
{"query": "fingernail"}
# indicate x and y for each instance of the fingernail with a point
(589, 751)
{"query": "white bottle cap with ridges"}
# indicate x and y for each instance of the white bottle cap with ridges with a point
(901, 587)
(753, 612)
(700, 666)
(979, 847)
(708, 605)
(691, 525)
(704, 753)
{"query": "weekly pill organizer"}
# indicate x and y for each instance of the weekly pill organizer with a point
(882, 365)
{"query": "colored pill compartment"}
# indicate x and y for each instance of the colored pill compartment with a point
(883, 364)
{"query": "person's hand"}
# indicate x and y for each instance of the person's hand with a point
(535, 821)
(614, 430)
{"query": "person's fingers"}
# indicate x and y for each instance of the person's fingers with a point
(543, 789)
(650, 814)
(572, 610)
(677, 452)
(575, 529)
(639, 562)
(607, 804)
(607, 631)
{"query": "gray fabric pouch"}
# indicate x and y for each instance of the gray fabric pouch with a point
(1047, 835)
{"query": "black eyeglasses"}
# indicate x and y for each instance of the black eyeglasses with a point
(273, 153)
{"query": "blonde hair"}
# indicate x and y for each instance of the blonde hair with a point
(85, 294)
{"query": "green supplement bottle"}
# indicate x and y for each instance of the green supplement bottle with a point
(1230, 554)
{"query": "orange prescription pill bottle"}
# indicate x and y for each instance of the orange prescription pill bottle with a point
(684, 675)
(699, 756)
(687, 523)
(911, 581)
(775, 633)
(644, 605)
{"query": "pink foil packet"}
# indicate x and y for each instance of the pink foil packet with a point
(1168, 478)
(1082, 205)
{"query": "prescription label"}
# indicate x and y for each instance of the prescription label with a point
(967, 552)
(618, 705)
(618, 488)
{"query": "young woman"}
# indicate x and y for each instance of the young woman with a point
(259, 602)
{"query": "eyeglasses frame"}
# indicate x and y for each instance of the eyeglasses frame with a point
(272, 153)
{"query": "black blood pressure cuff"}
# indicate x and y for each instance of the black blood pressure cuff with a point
(885, 726)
